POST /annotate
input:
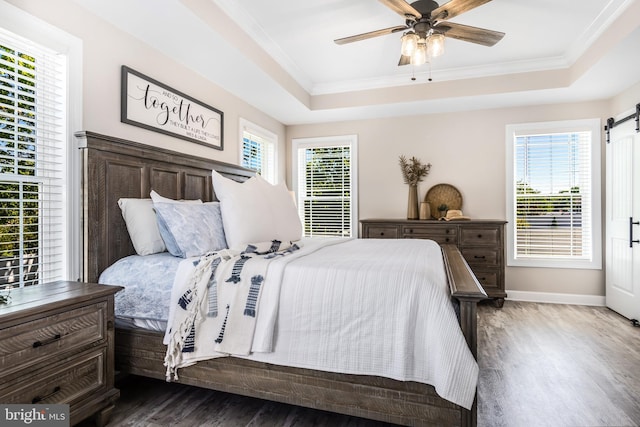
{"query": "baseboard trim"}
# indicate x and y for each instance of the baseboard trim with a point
(554, 298)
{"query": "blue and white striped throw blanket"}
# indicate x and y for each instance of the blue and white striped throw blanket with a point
(214, 304)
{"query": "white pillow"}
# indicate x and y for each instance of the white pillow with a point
(283, 210)
(256, 211)
(142, 225)
(160, 199)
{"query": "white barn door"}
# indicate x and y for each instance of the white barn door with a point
(622, 220)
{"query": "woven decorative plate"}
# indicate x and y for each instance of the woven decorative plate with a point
(443, 194)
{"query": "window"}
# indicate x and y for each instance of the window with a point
(34, 168)
(553, 194)
(258, 150)
(325, 176)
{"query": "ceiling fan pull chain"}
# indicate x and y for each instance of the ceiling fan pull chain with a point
(413, 72)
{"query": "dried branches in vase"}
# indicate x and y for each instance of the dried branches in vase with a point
(413, 172)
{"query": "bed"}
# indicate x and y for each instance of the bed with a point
(114, 168)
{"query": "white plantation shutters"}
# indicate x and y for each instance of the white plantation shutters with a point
(32, 161)
(325, 172)
(553, 196)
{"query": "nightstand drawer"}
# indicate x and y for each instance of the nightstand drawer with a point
(382, 233)
(481, 256)
(45, 338)
(70, 381)
(480, 236)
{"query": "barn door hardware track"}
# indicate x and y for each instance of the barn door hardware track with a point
(611, 123)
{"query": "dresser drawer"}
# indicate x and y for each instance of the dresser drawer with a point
(73, 379)
(478, 236)
(487, 278)
(382, 233)
(481, 256)
(43, 339)
(437, 233)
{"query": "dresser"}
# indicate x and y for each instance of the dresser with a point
(56, 347)
(481, 242)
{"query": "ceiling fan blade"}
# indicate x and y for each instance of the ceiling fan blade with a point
(455, 8)
(404, 60)
(370, 34)
(469, 34)
(402, 8)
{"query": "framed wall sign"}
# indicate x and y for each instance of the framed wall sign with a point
(152, 105)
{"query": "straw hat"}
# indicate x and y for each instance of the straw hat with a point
(454, 215)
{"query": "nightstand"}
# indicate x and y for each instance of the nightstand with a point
(56, 346)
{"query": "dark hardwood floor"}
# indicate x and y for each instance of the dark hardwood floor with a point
(540, 365)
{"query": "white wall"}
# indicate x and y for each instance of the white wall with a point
(106, 49)
(625, 101)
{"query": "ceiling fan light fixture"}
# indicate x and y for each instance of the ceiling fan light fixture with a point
(425, 24)
(435, 45)
(419, 56)
(409, 43)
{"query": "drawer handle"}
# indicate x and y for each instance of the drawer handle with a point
(479, 256)
(56, 337)
(446, 240)
(479, 236)
(382, 233)
(37, 399)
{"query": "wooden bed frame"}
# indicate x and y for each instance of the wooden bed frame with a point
(115, 168)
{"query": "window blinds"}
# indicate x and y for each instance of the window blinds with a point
(553, 196)
(32, 156)
(324, 190)
(258, 153)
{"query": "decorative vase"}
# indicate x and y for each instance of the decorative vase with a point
(412, 206)
(425, 210)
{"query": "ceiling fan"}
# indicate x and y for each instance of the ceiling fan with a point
(426, 27)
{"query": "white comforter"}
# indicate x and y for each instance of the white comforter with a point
(366, 307)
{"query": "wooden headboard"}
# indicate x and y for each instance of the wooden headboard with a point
(113, 168)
